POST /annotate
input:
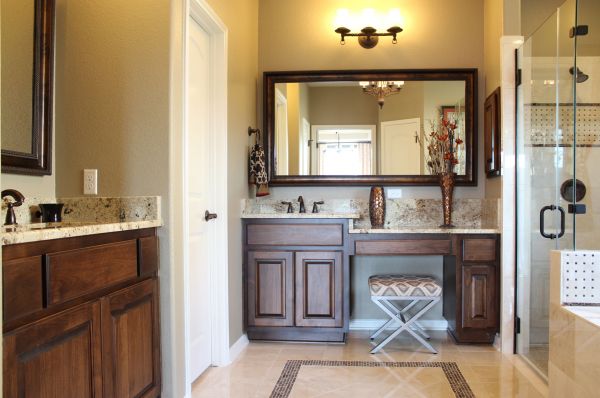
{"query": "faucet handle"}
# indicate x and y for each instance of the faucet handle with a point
(290, 208)
(316, 207)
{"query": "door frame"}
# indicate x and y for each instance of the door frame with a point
(179, 307)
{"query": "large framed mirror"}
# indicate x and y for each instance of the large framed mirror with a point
(27, 56)
(366, 127)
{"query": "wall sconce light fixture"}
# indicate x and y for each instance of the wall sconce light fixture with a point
(381, 89)
(368, 36)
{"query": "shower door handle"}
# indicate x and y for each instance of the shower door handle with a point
(562, 222)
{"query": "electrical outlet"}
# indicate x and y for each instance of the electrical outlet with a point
(394, 193)
(90, 182)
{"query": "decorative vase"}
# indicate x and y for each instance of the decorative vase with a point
(377, 207)
(447, 186)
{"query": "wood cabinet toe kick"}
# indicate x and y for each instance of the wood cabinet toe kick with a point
(81, 316)
(297, 283)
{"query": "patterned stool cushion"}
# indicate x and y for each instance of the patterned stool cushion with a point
(404, 286)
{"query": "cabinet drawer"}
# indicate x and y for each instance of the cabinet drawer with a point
(386, 247)
(295, 234)
(479, 249)
(74, 273)
(22, 282)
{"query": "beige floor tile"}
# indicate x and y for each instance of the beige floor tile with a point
(257, 369)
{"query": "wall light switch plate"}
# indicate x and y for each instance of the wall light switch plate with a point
(90, 181)
(394, 193)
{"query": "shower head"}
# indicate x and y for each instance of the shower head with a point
(581, 77)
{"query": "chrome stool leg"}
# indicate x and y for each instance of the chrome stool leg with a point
(404, 326)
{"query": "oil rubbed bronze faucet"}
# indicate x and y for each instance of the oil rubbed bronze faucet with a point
(11, 219)
(302, 208)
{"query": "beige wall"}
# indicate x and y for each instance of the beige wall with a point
(241, 18)
(309, 43)
(535, 12)
(111, 112)
(493, 23)
(341, 105)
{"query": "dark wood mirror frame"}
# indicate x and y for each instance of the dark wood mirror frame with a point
(469, 76)
(39, 160)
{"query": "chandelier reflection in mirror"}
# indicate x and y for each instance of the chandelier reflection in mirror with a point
(381, 89)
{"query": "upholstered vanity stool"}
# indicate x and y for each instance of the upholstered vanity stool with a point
(388, 290)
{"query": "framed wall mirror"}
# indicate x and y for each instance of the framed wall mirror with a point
(27, 56)
(366, 127)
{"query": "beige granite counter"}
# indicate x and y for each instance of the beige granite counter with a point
(425, 230)
(84, 216)
(471, 216)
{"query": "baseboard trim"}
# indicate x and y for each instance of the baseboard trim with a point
(373, 324)
(236, 349)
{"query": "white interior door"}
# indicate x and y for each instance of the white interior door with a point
(304, 148)
(398, 136)
(199, 191)
(281, 133)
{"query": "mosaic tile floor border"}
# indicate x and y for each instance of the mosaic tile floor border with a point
(288, 376)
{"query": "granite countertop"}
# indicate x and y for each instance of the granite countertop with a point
(11, 235)
(301, 215)
(84, 216)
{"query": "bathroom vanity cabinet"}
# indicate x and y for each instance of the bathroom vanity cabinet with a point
(297, 276)
(81, 316)
(294, 281)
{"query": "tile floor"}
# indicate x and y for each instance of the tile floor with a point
(255, 372)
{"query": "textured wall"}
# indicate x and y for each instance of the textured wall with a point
(112, 96)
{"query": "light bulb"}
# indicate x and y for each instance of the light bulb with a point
(394, 18)
(369, 18)
(342, 18)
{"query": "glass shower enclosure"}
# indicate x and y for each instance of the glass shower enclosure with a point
(558, 159)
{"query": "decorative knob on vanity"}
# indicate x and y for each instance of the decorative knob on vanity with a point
(316, 206)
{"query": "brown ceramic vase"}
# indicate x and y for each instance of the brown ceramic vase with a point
(377, 207)
(447, 186)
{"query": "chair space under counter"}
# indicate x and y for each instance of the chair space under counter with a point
(297, 275)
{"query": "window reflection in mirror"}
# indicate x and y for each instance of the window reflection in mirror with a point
(336, 128)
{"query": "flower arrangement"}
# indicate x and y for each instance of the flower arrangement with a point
(443, 145)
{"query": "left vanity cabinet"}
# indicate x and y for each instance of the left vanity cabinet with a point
(81, 316)
(294, 279)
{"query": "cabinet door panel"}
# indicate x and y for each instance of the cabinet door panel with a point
(58, 356)
(319, 289)
(479, 296)
(270, 289)
(131, 341)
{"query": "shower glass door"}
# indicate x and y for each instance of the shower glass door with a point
(545, 159)
(587, 124)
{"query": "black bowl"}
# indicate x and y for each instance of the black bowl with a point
(51, 212)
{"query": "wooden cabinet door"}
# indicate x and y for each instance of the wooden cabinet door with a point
(270, 289)
(480, 296)
(58, 356)
(131, 341)
(319, 295)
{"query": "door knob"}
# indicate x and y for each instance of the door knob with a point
(209, 216)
